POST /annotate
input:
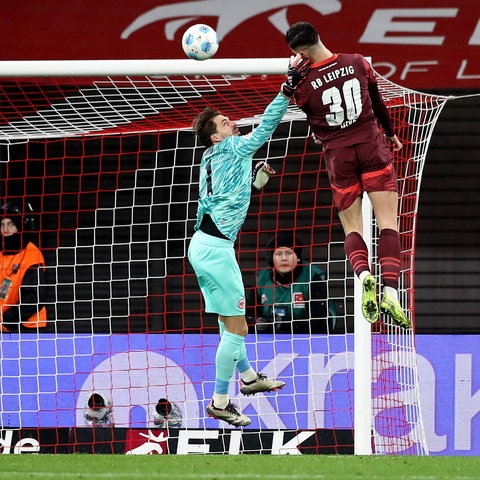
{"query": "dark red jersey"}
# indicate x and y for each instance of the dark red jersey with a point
(341, 100)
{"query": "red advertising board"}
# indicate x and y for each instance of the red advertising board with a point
(422, 44)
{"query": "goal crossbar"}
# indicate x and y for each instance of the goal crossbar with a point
(164, 67)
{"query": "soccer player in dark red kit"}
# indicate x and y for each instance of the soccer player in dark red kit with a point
(340, 97)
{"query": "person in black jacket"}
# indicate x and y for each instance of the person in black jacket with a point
(291, 296)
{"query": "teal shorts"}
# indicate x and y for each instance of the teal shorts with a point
(218, 274)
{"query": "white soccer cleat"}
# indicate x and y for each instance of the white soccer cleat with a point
(229, 414)
(261, 384)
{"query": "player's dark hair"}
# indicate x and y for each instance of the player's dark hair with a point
(204, 126)
(301, 34)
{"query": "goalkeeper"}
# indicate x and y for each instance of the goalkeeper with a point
(343, 106)
(225, 187)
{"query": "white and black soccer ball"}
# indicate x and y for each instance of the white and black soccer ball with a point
(200, 42)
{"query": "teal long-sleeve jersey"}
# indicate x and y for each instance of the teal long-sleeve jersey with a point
(225, 183)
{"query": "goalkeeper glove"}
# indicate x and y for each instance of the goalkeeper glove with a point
(297, 69)
(260, 175)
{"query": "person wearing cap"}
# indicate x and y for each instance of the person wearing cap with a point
(21, 273)
(291, 296)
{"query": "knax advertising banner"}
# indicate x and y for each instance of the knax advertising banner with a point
(47, 380)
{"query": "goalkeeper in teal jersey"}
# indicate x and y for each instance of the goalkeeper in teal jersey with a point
(224, 197)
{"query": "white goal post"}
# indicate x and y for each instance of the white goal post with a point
(171, 67)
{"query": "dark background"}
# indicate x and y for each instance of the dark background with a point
(448, 243)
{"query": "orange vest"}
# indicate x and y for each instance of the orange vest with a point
(12, 271)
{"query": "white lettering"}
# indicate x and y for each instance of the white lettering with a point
(185, 447)
(392, 69)
(467, 405)
(461, 72)
(382, 26)
(235, 442)
(388, 70)
(416, 67)
(340, 72)
(427, 386)
(27, 445)
(289, 448)
(475, 38)
(347, 123)
(6, 443)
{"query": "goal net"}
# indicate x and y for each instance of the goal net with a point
(107, 168)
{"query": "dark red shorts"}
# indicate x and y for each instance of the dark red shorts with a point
(365, 167)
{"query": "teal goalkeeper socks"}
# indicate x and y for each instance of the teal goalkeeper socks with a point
(228, 353)
(243, 363)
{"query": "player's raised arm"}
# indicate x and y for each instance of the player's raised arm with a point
(247, 145)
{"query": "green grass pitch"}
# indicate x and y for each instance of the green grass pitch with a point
(218, 467)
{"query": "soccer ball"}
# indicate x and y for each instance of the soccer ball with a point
(200, 42)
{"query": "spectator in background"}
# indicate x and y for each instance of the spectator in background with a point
(291, 296)
(21, 273)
